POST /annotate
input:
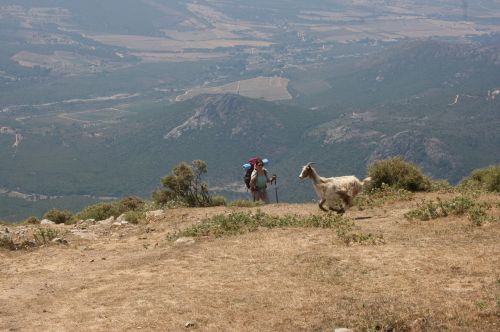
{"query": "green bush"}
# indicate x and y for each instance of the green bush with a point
(162, 197)
(134, 217)
(245, 203)
(175, 204)
(7, 242)
(487, 178)
(185, 184)
(45, 235)
(102, 211)
(131, 203)
(398, 173)
(99, 211)
(57, 216)
(441, 185)
(31, 221)
(218, 201)
(476, 211)
(477, 215)
(239, 223)
(374, 197)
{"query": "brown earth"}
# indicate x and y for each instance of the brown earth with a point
(438, 275)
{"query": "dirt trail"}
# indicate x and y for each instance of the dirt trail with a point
(434, 275)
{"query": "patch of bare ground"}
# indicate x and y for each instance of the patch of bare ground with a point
(442, 274)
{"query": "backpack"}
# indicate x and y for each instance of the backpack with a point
(249, 167)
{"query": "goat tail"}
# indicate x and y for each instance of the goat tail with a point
(366, 181)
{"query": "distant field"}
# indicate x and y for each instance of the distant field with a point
(92, 116)
(152, 57)
(267, 88)
(63, 62)
(143, 43)
(397, 28)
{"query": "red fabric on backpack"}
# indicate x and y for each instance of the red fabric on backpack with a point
(253, 160)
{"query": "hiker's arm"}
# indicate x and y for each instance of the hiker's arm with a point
(269, 179)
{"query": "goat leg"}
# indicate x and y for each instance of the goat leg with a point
(321, 205)
(338, 210)
(346, 198)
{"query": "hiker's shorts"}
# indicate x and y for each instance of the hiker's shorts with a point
(260, 195)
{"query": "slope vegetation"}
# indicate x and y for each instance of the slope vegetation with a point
(441, 274)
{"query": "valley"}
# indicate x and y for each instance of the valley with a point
(89, 94)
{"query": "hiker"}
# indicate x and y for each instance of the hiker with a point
(259, 180)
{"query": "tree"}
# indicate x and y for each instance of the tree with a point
(184, 184)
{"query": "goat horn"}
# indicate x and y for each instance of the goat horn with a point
(310, 163)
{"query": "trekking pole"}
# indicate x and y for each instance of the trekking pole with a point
(275, 187)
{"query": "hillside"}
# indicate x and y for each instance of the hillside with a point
(93, 97)
(441, 274)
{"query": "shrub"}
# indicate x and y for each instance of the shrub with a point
(441, 185)
(477, 215)
(175, 204)
(239, 223)
(7, 242)
(57, 216)
(218, 201)
(131, 203)
(487, 178)
(45, 235)
(185, 184)
(102, 211)
(373, 197)
(245, 203)
(162, 197)
(398, 173)
(31, 221)
(99, 211)
(134, 217)
(427, 210)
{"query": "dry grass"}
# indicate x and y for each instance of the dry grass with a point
(156, 44)
(436, 275)
(267, 88)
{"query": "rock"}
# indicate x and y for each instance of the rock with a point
(189, 324)
(29, 243)
(84, 234)
(83, 224)
(59, 240)
(418, 324)
(343, 329)
(107, 221)
(121, 217)
(47, 222)
(20, 232)
(184, 241)
(155, 213)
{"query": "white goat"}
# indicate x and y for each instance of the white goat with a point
(331, 190)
